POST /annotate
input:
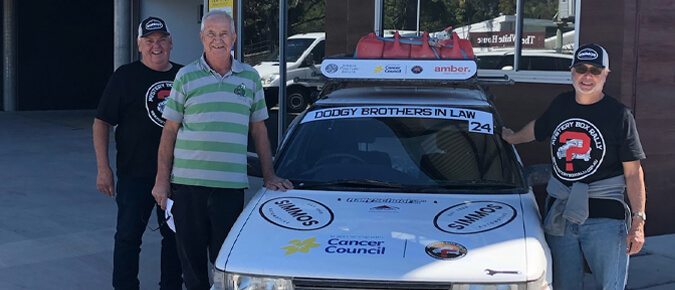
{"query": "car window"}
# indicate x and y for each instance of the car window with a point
(318, 52)
(491, 61)
(294, 49)
(527, 62)
(420, 152)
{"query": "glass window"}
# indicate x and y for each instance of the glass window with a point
(294, 49)
(319, 52)
(547, 42)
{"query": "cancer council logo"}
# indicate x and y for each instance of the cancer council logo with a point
(300, 246)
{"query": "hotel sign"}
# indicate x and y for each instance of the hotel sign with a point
(506, 39)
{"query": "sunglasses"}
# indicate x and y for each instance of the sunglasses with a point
(161, 223)
(582, 69)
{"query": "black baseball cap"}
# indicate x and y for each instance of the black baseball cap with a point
(152, 24)
(592, 54)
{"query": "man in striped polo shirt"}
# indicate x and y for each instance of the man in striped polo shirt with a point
(214, 103)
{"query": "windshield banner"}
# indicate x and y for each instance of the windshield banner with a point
(479, 121)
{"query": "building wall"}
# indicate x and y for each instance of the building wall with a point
(184, 19)
(346, 22)
(654, 80)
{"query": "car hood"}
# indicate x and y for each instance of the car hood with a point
(383, 236)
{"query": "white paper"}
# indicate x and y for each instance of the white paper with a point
(168, 216)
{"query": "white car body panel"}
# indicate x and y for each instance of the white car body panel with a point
(395, 228)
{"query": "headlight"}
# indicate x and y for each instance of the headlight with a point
(269, 79)
(487, 287)
(539, 284)
(232, 281)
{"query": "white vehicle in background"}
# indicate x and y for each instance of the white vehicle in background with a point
(530, 59)
(399, 183)
(302, 51)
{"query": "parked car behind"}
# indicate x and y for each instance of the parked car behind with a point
(302, 52)
(544, 60)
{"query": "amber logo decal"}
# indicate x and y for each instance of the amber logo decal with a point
(298, 245)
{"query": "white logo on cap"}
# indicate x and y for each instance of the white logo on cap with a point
(153, 25)
(587, 54)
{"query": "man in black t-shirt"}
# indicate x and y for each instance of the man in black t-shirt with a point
(595, 153)
(133, 101)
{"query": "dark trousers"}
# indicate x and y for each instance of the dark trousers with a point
(203, 217)
(134, 207)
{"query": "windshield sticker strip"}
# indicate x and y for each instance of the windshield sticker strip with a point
(479, 121)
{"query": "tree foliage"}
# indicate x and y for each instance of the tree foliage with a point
(261, 19)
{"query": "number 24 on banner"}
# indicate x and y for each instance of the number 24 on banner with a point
(479, 127)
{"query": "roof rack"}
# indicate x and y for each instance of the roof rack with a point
(439, 71)
(342, 71)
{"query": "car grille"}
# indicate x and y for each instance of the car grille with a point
(321, 284)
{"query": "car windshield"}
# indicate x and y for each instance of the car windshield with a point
(396, 153)
(294, 49)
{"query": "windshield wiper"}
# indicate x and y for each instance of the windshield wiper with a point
(370, 183)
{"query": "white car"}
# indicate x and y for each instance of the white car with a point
(304, 53)
(396, 187)
(530, 59)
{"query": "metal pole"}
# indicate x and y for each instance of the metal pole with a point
(518, 42)
(9, 84)
(379, 8)
(283, 12)
(418, 17)
(122, 38)
(559, 38)
(239, 51)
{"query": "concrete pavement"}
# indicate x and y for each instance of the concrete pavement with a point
(56, 229)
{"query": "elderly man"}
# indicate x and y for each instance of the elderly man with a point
(214, 103)
(133, 101)
(596, 153)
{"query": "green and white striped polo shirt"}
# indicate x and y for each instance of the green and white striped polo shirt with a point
(214, 113)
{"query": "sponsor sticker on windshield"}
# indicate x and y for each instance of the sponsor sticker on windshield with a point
(479, 121)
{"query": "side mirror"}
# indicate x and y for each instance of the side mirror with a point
(538, 174)
(253, 167)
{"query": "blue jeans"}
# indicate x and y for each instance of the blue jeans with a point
(134, 206)
(602, 242)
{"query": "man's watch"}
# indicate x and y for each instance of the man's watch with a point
(641, 214)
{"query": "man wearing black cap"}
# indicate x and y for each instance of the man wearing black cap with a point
(134, 100)
(596, 153)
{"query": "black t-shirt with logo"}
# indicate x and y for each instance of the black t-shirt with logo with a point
(134, 100)
(589, 142)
